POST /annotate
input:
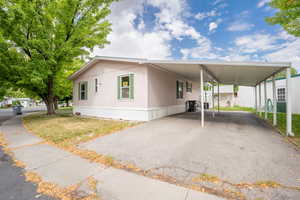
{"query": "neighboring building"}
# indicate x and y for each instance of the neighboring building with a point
(25, 102)
(125, 89)
(227, 95)
(246, 95)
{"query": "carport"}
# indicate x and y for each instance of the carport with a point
(252, 74)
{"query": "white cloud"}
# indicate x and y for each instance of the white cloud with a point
(133, 40)
(203, 15)
(129, 41)
(262, 3)
(141, 25)
(212, 26)
(290, 52)
(280, 47)
(217, 2)
(257, 43)
(239, 26)
(203, 52)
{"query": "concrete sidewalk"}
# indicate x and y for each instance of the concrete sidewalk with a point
(63, 168)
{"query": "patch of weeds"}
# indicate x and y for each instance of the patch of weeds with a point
(109, 160)
(206, 178)
(3, 141)
(66, 129)
(267, 184)
(235, 194)
(64, 193)
(92, 182)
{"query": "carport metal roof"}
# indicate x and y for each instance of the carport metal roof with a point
(224, 72)
(236, 73)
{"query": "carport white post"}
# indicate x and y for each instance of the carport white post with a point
(255, 92)
(259, 99)
(213, 100)
(266, 99)
(202, 96)
(218, 97)
(288, 103)
(274, 102)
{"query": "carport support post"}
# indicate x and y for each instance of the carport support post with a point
(202, 96)
(274, 102)
(255, 94)
(218, 97)
(266, 99)
(213, 100)
(288, 103)
(259, 99)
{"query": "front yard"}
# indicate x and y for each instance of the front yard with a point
(66, 129)
(236, 108)
(281, 125)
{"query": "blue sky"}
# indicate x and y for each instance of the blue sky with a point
(198, 29)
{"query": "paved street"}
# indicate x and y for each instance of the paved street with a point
(12, 181)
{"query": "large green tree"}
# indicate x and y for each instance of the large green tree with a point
(39, 40)
(287, 15)
(64, 87)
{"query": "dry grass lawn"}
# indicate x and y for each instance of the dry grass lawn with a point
(66, 129)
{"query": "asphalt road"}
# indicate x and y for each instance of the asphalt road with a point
(12, 182)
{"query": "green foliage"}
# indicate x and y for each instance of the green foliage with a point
(64, 87)
(281, 121)
(287, 15)
(16, 103)
(2, 93)
(283, 73)
(41, 39)
(236, 108)
(235, 88)
(15, 93)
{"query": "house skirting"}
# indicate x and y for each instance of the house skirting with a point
(138, 114)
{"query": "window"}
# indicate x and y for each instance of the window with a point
(179, 89)
(125, 86)
(83, 88)
(189, 87)
(96, 84)
(281, 94)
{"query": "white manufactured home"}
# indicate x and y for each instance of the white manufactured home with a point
(142, 89)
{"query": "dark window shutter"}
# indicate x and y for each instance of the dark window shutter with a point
(119, 87)
(177, 89)
(86, 90)
(187, 86)
(79, 91)
(131, 86)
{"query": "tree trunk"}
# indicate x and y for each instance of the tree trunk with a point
(55, 103)
(49, 100)
(67, 102)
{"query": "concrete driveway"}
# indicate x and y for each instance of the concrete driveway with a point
(235, 146)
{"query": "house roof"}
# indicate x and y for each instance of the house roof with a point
(224, 72)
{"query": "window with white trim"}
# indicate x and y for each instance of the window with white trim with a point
(82, 90)
(189, 86)
(281, 94)
(126, 86)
